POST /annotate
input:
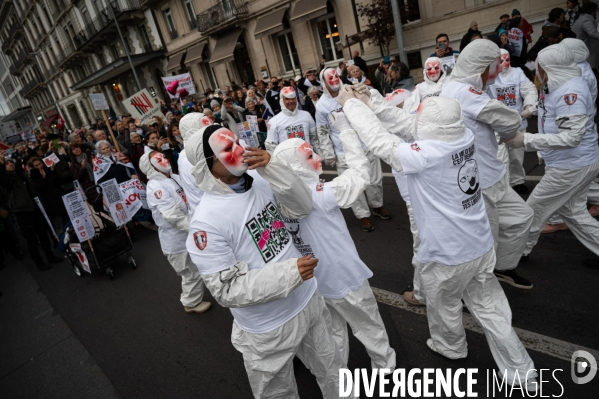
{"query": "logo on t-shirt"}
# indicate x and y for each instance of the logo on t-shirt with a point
(506, 95)
(181, 194)
(268, 232)
(201, 239)
(295, 131)
(475, 90)
(570, 99)
(319, 186)
(468, 177)
(158, 194)
(293, 228)
(414, 146)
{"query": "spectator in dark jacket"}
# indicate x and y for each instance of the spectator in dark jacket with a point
(504, 43)
(47, 181)
(468, 36)
(585, 29)
(82, 170)
(360, 63)
(551, 35)
(504, 24)
(19, 191)
(572, 13)
(311, 100)
(309, 80)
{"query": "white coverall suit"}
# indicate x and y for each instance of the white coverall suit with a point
(509, 215)
(567, 140)
(190, 124)
(342, 276)
(168, 204)
(514, 90)
(330, 148)
(580, 52)
(288, 124)
(254, 273)
(453, 263)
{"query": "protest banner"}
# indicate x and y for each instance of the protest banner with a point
(39, 205)
(51, 160)
(76, 249)
(131, 197)
(79, 215)
(78, 187)
(114, 201)
(246, 134)
(184, 80)
(99, 101)
(142, 106)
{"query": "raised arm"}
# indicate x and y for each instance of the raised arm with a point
(503, 120)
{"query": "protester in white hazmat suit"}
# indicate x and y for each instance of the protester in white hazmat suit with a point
(444, 184)
(290, 122)
(567, 140)
(167, 201)
(189, 124)
(342, 276)
(238, 241)
(433, 81)
(514, 90)
(331, 151)
(509, 215)
(580, 52)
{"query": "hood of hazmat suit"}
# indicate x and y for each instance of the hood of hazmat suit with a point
(578, 49)
(440, 118)
(505, 71)
(288, 92)
(145, 166)
(474, 60)
(559, 66)
(325, 89)
(288, 150)
(194, 120)
(440, 79)
(398, 96)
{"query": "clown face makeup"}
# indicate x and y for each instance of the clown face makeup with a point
(398, 96)
(309, 160)
(161, 163)
(205, 121)
(288, 92)
(505, 62)
(494, 70)
(332, 79)
(226, 148)
(433, 70)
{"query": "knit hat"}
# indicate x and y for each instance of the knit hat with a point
(501, 32)
(213, 103)
(473, 23)
(515, 12)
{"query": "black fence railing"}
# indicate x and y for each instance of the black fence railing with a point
(224, 11)
(104, 19)
(28, 88)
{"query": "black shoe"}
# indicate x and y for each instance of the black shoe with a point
(54, 259)
(521, 189)
(591, 263)
(512, 278)
(42, 267)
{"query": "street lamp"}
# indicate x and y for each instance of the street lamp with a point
(63, 115)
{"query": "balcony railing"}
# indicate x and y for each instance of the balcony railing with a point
(148, 47)
(9, 38)
(20, 60)
(104, 19)
(222, 12)
(173, 33)
(28, 88)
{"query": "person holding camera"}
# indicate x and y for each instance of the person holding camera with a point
(442, 49)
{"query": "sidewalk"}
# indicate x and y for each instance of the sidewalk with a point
(39, 355)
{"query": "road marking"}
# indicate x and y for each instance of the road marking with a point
(533, 341)
(387, 174)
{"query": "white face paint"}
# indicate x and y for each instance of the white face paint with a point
(332, 79)
(433, 70)
(505, 62)
(161, 163)
(228, 151)
(309, 159)
(494, 70)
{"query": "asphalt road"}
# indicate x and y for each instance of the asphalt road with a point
(65, 336)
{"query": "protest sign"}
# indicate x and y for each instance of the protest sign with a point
(246, 134)
(141, 105)
(79, 215)
(131, 196)
(39, 204)
(447, 64)
(51, 160)
(99, 101)
(114, 201)
(76, 249)
(78, 187)
(253, 121)
(184, 80)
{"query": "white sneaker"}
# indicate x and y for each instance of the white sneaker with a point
(199, 308)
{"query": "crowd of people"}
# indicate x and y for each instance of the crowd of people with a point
(260, 229)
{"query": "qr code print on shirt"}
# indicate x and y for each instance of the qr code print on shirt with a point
(507, 95)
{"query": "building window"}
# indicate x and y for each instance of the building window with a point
(414, 60)
(85, 14)
(170, 23)
(114, 51)
(288, 51)
(145, 39)
(328, 35)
